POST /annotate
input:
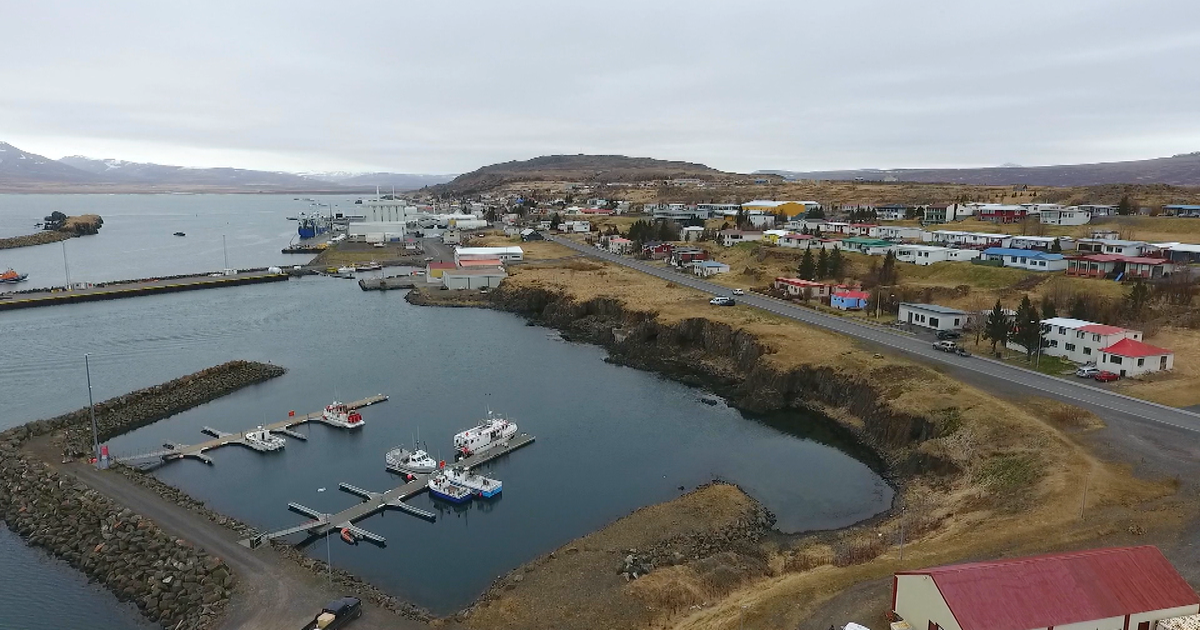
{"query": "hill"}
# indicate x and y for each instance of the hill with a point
(17, 166)
(599, 169)
(1179, 170)
(120, 171)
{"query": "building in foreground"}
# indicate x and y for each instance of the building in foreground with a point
(1126, 588)
(931, 316)
(503, 254)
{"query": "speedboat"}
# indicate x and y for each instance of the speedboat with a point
(494, 431)
(263, 440)
(416, 462)
(339, 415)
(480, 485)
(441, 487)
(180, 234)
(12, 277)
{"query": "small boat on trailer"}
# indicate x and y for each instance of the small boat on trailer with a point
(441, 487)
(483, 487)
(339, 415)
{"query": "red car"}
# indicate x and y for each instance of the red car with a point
(1106, 377)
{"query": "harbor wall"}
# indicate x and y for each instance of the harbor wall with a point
(170, 581)
(116, 293)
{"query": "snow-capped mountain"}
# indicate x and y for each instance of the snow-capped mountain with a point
(22, 166)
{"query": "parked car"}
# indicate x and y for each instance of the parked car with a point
(945, 335)
(1104, 376)
(1087, 371)
(739, 292)
(722, 300)
(962, 352)
(945, 346)
(336, 614)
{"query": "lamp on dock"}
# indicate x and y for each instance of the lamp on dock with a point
(87, 366)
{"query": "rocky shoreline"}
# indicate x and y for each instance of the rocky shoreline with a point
(170, 581)
(69, 227)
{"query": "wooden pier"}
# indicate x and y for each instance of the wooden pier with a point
(323, 524)
(221, 438)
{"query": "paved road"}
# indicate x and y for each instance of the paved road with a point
(984, 372)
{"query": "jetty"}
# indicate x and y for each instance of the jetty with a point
(134, 288)
(323, 524)
(386, 284)
(221, 438)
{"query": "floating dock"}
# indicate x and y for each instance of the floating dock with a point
(221, 438)
(323, 524)
(116, 291)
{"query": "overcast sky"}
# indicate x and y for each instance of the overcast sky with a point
(450, 85)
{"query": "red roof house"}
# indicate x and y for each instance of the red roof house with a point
(1130, 357)
(1126, 587)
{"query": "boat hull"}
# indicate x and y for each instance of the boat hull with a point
(451, 498)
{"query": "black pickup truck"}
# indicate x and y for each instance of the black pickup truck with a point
(336, 614)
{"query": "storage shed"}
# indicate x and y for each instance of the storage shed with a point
(1125, 588)
(931, 316)
(473, 278)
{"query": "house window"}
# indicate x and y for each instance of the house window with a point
(1062, 330)
(1141, 362)
(1095, 337)
(956, 321)
(1070, 347)
(933, 321)
(1053, 343)
(1087, 350)
(1078, 335)
(1116, 360)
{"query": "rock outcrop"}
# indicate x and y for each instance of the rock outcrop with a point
(58, 227)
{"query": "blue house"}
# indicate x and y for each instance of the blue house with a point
(1029, 259)
(849, 300)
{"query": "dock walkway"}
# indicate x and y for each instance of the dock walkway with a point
(323, 524)
(283, 427)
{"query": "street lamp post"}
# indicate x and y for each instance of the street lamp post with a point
(66, 267)
(87, 366)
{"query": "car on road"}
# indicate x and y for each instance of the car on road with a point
(336, 614)
(722, 300)
(947, 335)
(962, 352)
(1087, 371)
(945, 346)
(429, 259)
(739, 292)
(1104, 376)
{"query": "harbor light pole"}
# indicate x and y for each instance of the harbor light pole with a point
(226, 252)
(66, 268)
(87, 366)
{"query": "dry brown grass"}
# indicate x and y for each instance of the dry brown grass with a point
(534, 250)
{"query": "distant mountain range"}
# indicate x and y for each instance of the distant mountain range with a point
(579, 168)
(1179, 170)
(21, 171)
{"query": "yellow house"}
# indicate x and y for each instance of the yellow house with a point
(790, 208)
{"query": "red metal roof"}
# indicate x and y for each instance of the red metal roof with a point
(1101, 329)
(480, 262)
(441, 265)
(854, 295)
(1044, 591)
(1135, 348)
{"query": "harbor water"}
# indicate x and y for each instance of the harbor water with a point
(610, 439)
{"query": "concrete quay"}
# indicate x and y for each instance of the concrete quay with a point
(118, 290)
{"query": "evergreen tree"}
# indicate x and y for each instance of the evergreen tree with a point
(823, 264)
(1079, 308)
(887, 272)
(555, 221)
(997, 327)
(1027, 329)
(1049, 309)
(1125, 206)
(836, 263)
(815, 213)
(1056, 246)
(808, 267)
(740, 219)
(1137, 299)
(804, 230)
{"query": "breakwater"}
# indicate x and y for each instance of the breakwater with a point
(114, 291)
(59, 227)
(169, 580)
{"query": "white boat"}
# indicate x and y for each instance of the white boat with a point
(480, 485)
(494, 431)
(441, 487)
(416, 462)
(339, 415)
(263, 440)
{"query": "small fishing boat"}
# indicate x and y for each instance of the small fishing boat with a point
(416, 462)
(494, 431)
(263, 440)
(441, 487)
(371, 266)
(480, 485)
(339, 415)
(12, 277)
(180, 234)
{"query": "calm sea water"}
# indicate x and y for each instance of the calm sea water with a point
(610, 439)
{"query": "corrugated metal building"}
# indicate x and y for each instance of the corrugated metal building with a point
(1125, 588)
(473, 278)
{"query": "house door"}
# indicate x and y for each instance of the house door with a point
(1145, 625)
(910, 317)
(1162, 363)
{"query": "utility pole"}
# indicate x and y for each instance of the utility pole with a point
(226, 251)
(87, 366)
(66, 268)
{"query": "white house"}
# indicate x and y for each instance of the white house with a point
(897, 233)
(1040, 242)
(1112, 246)
(503, 254)
(932, 316)
(1030, 260)
(1098, 210)
(705, 268)
(1125, 588)
(891, 212)
(1129, 357)
(968, 239)
(760, 219)
(619, 245)
(581, 227)
(1072, 215)
(928, 254)
(729, 238)
(1081, 341)
(690, 233)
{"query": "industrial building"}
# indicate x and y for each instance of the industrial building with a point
(473, 278)
(503, 254)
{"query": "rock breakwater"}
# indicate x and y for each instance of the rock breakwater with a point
(59, 227)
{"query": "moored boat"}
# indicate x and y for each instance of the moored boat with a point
(482, 486)
(338, 414)
(12, 277)
(494, 431)
(180, 234)
(416, 462)
(441, 487)
(263, 440)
